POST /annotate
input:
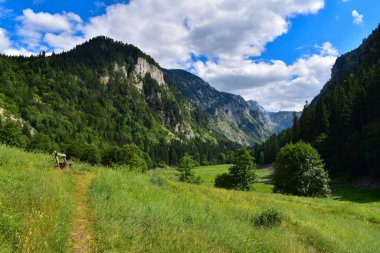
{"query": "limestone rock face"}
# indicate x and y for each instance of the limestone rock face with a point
(142, 67)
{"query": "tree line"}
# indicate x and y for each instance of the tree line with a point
(343, 122)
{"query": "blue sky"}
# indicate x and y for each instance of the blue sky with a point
(276, 52)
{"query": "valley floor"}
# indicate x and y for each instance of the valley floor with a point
(91, 209)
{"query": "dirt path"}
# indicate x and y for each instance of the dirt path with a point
(81, 239)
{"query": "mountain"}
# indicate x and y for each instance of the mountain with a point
(282, 120)
(105, 94)
(274, 122)
(230, 114)
(343, 121)
(101, 95)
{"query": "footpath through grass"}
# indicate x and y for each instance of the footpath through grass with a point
(81, 238)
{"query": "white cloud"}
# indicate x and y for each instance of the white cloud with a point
(46, 22)
(274, 85)
(327, 49)
(226, 32)
(19, 51)
(62, 42)
(217, 29)
(4, 41)
(34, 26)
(358, 18)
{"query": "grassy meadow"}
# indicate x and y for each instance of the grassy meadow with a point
(147, 213)
(208, 174)
(35, 203)
(152, 212)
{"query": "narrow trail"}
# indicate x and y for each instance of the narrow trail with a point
(81, 239)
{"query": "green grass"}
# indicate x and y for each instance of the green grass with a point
(35, 203)
(152, 212)
(208, 173)
(135, 214)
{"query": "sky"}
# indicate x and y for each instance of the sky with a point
(277, 52)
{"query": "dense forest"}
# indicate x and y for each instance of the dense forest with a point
(88, 102)
(343, 121)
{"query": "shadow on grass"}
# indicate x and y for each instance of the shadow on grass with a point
(350, 193)
(266, 179)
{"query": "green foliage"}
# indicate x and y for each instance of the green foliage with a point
(224, 180)
(42, 142)
(129, 155)
(370, 145)
(261, 159)
(298, 170)
(242, 175)
(243, 171)
(270, 217)
(186, 173)
(88, 96)
(11, 134)
(341, 122)
(156, 179)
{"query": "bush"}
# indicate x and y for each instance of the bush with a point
(129, 155)
(162, 165)
(42, 142)
(298, 170)
(268, 218)
(11, 134)
(156, 179)
(185, 168)
(224, 180)
(241, 175)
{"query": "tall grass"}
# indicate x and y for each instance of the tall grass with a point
(35, 203)
(135, 214)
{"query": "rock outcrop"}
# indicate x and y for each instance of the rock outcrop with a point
(142, 68)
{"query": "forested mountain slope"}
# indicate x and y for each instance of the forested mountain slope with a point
(102, 94)
(343, 121)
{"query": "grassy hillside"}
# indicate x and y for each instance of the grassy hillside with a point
(35, 203)
(102, 210)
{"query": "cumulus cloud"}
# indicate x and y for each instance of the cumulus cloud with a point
(358, 18)
(228, 33)
(17, 51)
(63, 41)
(34, 26)
(275, 85)
(216, 29)
(4, 41)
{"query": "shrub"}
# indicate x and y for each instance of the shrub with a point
(162, 165)
(185, 168)
(241, 175)
(268, 218)
(156, 179)
(11, 134)
(129, 155)
(42, 142)
(298, 170)
(224, 180)
(243, 172)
